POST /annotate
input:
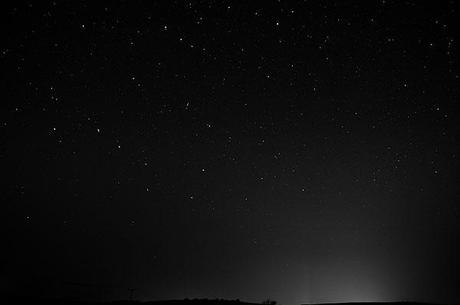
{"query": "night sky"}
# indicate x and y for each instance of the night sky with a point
(304, 151)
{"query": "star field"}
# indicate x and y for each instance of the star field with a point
(306, 151)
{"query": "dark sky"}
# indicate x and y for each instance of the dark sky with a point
(306, 151)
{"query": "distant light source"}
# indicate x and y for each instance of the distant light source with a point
(348, 281)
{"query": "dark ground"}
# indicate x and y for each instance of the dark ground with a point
(35, 301)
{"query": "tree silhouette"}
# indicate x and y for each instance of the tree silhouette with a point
(269, 302)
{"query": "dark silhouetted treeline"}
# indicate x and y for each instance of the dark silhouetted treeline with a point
(10, 300)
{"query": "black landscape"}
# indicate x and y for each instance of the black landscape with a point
(31, 301)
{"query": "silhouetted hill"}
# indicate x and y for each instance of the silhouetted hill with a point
(184, 302)
(36, 301)
(40, 301)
